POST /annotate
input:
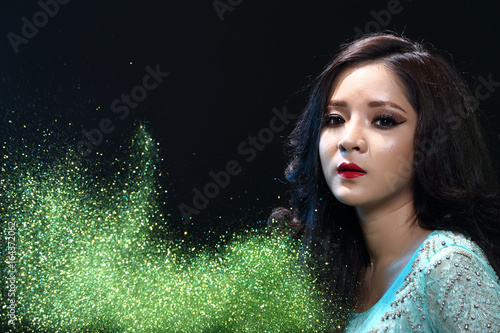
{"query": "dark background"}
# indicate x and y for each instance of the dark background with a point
(226, 76)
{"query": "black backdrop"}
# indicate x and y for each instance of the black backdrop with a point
(230, 64)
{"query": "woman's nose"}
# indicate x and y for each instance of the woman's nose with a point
(352, 138)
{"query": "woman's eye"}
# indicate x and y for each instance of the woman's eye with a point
(386, 121)
(333, 120)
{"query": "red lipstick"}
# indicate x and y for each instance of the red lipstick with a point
(350, 170)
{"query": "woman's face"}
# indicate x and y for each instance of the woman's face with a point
(368, 122)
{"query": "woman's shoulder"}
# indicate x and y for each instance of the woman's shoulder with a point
(459, 287)
(450, 287)
(447, 248)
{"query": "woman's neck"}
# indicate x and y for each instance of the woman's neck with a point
(391, 233)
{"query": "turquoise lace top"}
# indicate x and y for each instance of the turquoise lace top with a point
(447, 286)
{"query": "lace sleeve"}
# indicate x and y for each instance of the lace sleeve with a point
(462, 292)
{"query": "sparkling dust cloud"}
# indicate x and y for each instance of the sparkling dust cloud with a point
(87, 260)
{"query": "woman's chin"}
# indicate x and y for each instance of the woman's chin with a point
(350, 200)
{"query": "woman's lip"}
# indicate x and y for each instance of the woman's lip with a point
(350, 170)
(350, 167)
(351, 174)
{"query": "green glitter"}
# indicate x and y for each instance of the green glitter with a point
(88, 261)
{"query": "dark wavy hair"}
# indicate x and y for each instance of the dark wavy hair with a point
(455, 184)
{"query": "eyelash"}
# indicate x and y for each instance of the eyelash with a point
(389, 120)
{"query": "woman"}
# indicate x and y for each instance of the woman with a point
(394, 192)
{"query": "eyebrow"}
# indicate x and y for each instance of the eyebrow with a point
(373, 104)
(337, 103)
(376, 104)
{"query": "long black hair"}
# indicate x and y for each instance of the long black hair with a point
(455, 184)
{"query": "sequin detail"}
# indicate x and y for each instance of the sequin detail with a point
(449, 287)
